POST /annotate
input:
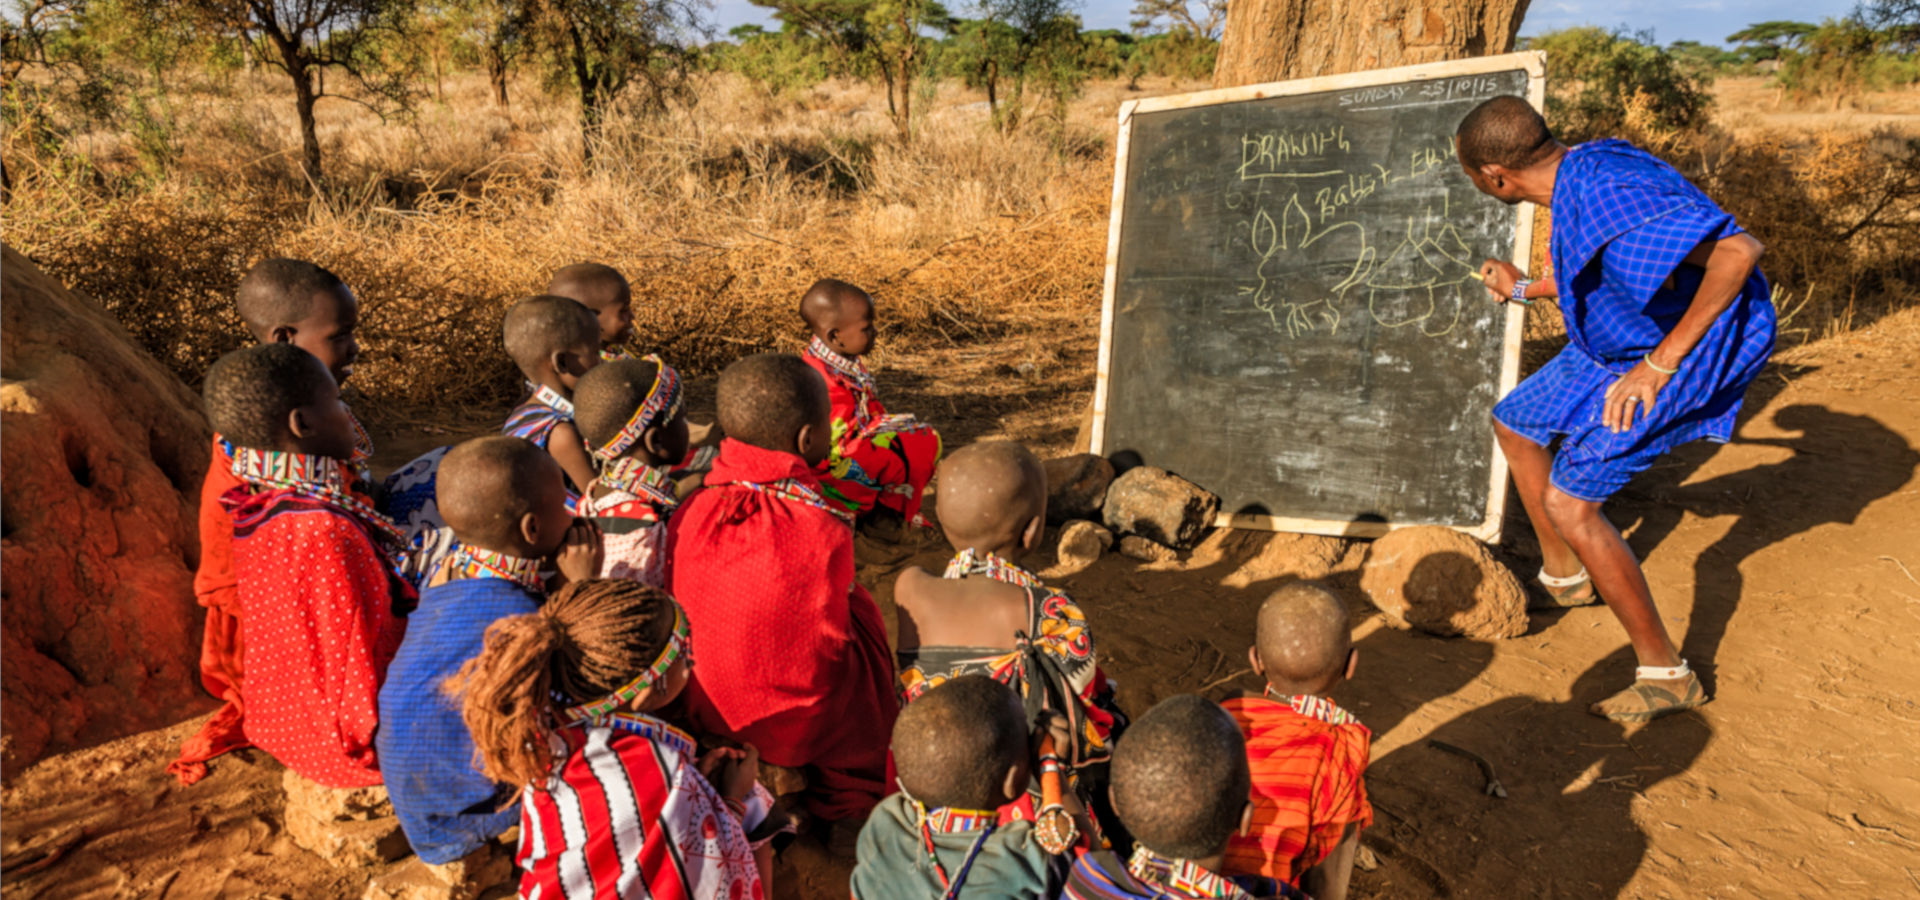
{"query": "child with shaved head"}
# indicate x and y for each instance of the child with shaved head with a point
(1308, 756)
(962, 751)
(878, 461)
(630, 412)
(602, 289)
(1180, 786)
(985, 615)
(282, 301)
(794, 658)
(554, 341)
(313, 565)
(506, 501)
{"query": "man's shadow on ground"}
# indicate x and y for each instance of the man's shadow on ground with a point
(1566, 826)
(1840, 463)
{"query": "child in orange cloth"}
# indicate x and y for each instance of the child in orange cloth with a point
(282, 301)
(1308, 757)
(314, 564)
(877, 460)
(793, 653)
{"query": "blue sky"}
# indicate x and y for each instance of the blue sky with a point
(1706, 21)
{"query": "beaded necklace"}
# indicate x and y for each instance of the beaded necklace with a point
(648, 727)
(362, 449)
(951, 820)
(662, 403)
(469, 561)
(547, 396)
(851, 369)
(1181, 875)
(317, 477)
(968, 562)
(650, 483)
(1314, 707)
(798, 492)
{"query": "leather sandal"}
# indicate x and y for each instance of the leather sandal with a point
(1646, 701)
(1560, 591)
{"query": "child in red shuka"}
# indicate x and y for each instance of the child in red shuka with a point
(313, 563)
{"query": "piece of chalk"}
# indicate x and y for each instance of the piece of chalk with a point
(1476, 277)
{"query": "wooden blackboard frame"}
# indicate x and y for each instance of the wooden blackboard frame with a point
(1534, 63)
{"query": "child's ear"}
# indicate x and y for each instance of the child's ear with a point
(1253, 659)
(803, 440)
(1353, 662)
(297, 424)
(282, 334)
(1036, 531)
(530, 528)
(650, 441)
(1246, 819)
(1014, 784)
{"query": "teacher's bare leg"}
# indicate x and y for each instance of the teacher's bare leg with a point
(1617, 575)
(1530, 464)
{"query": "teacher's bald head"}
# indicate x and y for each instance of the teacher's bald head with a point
(1505, 131)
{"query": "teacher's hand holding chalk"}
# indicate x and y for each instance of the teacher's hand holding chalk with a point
(1501, 278)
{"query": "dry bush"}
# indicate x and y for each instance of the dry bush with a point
(720, 216)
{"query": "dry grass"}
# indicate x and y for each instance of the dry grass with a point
(722, 214)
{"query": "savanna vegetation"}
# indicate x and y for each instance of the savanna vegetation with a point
(444, 156)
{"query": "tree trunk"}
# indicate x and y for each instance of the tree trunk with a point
(304, 95)
(497, 75)
(1278, 40)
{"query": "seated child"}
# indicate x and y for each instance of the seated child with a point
(796, 658)
(1308, 756)
(314, 564)
(284, 301)
(876, 459)
(602, 289)
(1180, 786)
(986, 615)
(616, 802)
(554, 341)
(963, 750)
(629, 412)
(508, 503)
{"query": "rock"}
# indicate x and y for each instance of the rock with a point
(463, 879)
(1140, 548)
(1076, 486)
(1443, 582)
(1160, 506)
(1080, 546)
(350, 828)
(104, 453)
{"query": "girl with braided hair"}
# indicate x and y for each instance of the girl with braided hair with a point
(616, 803)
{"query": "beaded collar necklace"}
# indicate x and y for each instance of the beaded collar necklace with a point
(1180, 875)
(951, 820)
(469, 561)
(798, 492)
(681, 643)
(317, 477)
(967, 562)
(650, 483)
(1314, 707)
(660, 406)
(547, 396)
(648, 727)
(853, 369)
(362, 449)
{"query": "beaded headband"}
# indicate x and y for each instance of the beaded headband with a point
(661, 405)
(678, 645)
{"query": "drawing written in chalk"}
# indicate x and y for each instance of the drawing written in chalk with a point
(1418, 283)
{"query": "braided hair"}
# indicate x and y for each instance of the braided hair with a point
(586, 642)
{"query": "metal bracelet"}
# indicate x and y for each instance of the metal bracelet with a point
(1659, 368)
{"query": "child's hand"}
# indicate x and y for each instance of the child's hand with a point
(1054, 725)
(738, 773)
(581, 554)
(710, 761)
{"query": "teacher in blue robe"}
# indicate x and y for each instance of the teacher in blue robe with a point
(1668, 320)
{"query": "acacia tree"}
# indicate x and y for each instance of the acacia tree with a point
(882, 39)
(1181, 17)
(305, 38)
(1275, 40)
(606, 47)
(1018, 41)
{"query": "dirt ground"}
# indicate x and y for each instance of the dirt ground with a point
(1788, 560)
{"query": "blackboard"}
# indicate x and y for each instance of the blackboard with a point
(1290, 320)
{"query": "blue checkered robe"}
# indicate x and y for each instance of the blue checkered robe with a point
(446, 807)
(1622, 222)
